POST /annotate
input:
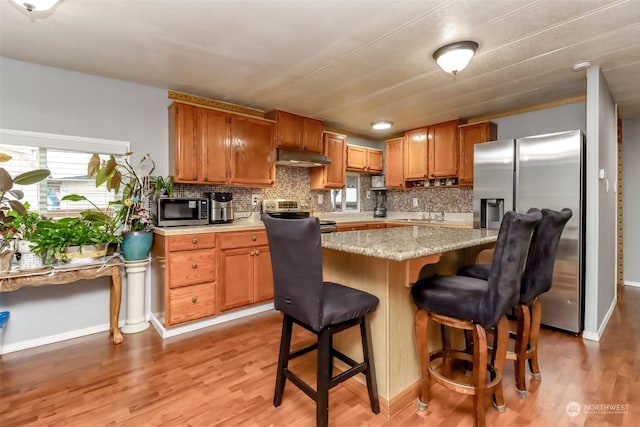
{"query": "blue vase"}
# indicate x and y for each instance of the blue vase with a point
(136, 245)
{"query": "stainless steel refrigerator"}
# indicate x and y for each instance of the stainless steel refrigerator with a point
(545, 171)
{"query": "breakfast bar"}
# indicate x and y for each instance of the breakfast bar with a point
(386, 262)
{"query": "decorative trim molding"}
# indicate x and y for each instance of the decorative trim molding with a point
(557, 103)
(212, 103)
(632, 284)
(215, 320)
(591, 336)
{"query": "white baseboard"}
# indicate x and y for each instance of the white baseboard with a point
(50, 339)
(591, 336)
(221, 318)
(633, 284)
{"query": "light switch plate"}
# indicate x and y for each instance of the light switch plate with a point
(320, 199)
(415, 202)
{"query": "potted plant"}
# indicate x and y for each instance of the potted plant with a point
(72, 239)
(133, 214)
(24, 227)
(10, 202)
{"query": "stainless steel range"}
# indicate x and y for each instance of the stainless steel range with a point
(294, 209)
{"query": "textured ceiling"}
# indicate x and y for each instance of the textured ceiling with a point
(346, 62)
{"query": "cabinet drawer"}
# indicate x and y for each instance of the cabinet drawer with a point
(191, 241)
(243, 239)
(191, 303)
(190, 267)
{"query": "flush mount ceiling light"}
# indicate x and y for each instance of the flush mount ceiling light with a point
(36, 5)
(454, 57)
(381, 124)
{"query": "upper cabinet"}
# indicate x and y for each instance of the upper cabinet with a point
(297, 132)
(431, 152)
(363, 159)
(394, 168)
(443, 150)
(215, 147)
(415, 154)
(333, 175)
(470, 135)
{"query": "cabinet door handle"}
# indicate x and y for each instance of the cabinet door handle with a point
(206, 178)
(194, 265)
(254, 238)
(194, 300)
(194, 241)
(257, 252)
(195, 177)
(252, 253)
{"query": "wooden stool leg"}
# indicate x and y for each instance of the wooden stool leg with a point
(323, 378)
(446, 350)
(420, 330)
(498, 359)
(479, 372)
(370, 372)
(283, 359)
(522, 343)
(536, 314)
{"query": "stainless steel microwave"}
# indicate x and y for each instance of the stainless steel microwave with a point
(175, 211)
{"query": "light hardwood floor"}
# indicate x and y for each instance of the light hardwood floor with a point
(224, 376)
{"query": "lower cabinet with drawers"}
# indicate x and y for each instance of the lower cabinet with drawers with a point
(245, 275)
(183, 277)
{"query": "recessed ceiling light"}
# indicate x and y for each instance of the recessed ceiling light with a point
(584, 65)
(455, 57)
(381, 125)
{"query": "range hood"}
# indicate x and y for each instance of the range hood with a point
(301, 159)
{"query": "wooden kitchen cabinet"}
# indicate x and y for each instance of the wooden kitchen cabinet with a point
(470, 135)
(443, 149)
(297, 132)
(352, 227)
(363, 159)
(376, 225)
(331, 176)
(252, 155)
(415, 154)
(245, 275)
(394, 163)
(183, 277)
(208, 146)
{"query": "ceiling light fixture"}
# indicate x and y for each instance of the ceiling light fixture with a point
(36, 5)
(454, 57)
(381, 124)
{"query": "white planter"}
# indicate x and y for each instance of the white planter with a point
(136, 320)
(28, 260)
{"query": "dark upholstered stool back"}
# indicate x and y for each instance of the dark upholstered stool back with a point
(296, 259)
(538, 273)
(507, 266)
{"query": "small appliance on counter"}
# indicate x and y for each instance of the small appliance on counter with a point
(380, 211)
(177, 211)
(221, 207)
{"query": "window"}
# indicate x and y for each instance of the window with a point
(347, 199)
(67, 158)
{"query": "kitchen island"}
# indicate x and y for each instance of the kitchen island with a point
(386, 262)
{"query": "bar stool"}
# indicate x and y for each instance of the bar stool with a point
(537, 279)
(464, 303)
(323, 308)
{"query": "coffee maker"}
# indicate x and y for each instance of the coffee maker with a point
(221, 207)
(380, 211)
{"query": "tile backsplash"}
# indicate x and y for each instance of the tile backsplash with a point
(293, 183)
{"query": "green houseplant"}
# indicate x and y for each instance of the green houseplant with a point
(10, 203)
(132, 210)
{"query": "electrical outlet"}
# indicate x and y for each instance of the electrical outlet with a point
(320, 199)
(368, 194)
(254, 199)
(415, 202)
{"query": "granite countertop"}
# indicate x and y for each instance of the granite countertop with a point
(405, 243)
(254, 223)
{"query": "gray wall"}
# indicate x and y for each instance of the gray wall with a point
(600, 259)
(631, 205)
(556, 119)
(43, 99)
